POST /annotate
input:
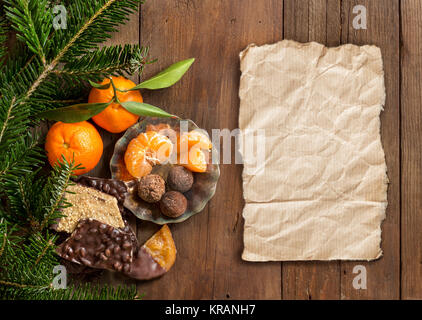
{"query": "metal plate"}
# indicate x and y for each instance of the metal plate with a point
(202, 190)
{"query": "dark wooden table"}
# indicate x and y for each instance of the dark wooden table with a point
(209, 245)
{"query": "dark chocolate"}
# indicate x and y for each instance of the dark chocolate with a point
(180, 179)
(144, 267)
(115, 188)
(98, 245)
(127, 229)
(173, 204)
(151, 188)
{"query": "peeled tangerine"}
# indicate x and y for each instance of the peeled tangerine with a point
(194, 160)
(193, 139)
(190, 148)
(145, 151)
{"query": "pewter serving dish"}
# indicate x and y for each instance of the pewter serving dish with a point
(204, 183)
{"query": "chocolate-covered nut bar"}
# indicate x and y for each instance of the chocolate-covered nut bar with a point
(155, 257)
(98, 245)
(127, 229)
(115, 188)
(144, 267)
(89, 203)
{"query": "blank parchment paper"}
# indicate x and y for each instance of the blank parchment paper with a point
(320, 192)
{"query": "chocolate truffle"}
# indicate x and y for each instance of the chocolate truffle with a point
(151, 188)
(180, 179)
(173, 204)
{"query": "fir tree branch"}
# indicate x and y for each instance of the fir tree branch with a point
(55, 192)
(111, 60)
(32, 21)
(41, 72)
(20, 285)
(49, 245)
(26, 204)
(73, 41)
(19, 161)
(4, 242)
(8, 117)
(3, 37)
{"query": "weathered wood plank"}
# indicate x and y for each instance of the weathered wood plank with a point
(383, 275)
(209, 244)
(411, 140)
(313, 20)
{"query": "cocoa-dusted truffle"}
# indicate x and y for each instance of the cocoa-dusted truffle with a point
(180, 179)
(151, 188)
(173, 204)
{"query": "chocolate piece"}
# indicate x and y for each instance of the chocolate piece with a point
(97, 245)
(127, 229)
(144, 267)
(173, 204)
(151, 188)
(89, 203)
(180, 179)
(115, 188)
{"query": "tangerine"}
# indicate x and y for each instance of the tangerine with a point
(79, 142)
(193, 139)
(115, 118)
(145, 151)
(194, 160)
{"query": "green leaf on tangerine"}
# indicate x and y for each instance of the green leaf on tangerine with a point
(145, 109)
(100, 86)
(75, 113)
(167, 77)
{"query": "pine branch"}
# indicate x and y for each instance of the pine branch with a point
(91, 22)
(52, 199)
(112, 60)
(48, 69)
(32, 21)
(20, 160)
(3, 37)
(33, 77)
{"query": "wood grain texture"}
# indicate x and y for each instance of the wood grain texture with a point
(383, 275)
(208, 264)
(313, 20)
(411, 142)
(209, 245)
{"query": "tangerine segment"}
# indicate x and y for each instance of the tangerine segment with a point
(115, 118)
(195, 160)
(193, 139)
(146, 150)
(80, 142)
(162, 248)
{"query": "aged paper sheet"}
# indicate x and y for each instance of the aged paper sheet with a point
(320, 192)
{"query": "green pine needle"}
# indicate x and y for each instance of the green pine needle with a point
(3, 37)
(47, 69)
